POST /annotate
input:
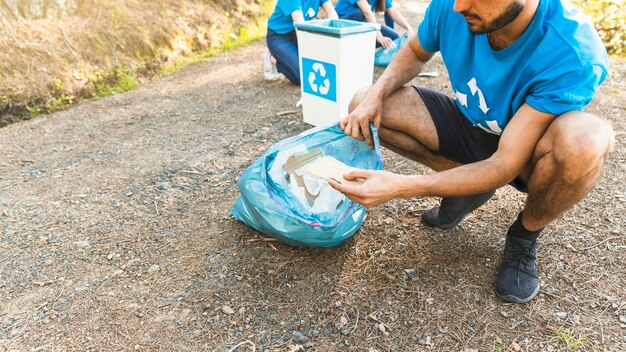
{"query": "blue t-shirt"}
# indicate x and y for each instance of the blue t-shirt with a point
(344, 7)
(555, 66)
(281, 22)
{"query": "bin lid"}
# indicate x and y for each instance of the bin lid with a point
(337, 27)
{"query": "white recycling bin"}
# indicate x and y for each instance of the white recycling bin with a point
(336, 60)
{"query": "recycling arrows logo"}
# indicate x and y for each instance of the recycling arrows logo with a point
(319, 79)
(319, 70)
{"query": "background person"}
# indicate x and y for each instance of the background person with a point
(521, 72)
(282, 41)
(363, 11)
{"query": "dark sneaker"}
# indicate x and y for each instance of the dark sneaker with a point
(518, 280)
(453, 210)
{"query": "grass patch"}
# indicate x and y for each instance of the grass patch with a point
(498, 345)
(117, 80)
(569, 339)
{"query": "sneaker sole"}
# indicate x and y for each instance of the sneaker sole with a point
(470, 208)
(514, 299)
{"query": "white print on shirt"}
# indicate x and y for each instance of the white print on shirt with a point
(310, 13)
(494, 128)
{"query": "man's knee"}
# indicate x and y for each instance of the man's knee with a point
(579, 143)
(357, 98)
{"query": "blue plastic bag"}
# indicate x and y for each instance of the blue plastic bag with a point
(267, 205)
(383, 56)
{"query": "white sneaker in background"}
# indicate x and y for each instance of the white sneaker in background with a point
(270, 72)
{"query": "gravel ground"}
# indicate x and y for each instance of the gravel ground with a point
(117, 236)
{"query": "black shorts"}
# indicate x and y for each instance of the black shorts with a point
(459, 140)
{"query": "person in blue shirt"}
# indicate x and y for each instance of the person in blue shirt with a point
(281, 36)
(363, 11)
(521, 72)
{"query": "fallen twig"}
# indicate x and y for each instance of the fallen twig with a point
(601, 242)
(262, 239)
(243, 343)
(287, 112)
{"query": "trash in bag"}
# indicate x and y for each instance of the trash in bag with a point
(284, 193)
(383, 56)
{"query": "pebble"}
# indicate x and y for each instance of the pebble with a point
(622, 319)
(346, 331)
(153, 268)
(300, 337)
(504, 314)
(227, 310)
(410, 273)
(561, 315)
(471, 322)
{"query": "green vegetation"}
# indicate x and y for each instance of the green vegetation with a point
(228, 40)
(609, 19)
(568, 338)
(34, 110)
(117, 80)
(498, 345)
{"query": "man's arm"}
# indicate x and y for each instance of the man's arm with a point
(517, 143)
(330, 10)
(297, 16)
(397, 16)
(406, 64)
(371, 18)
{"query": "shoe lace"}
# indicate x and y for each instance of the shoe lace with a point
(524, 257)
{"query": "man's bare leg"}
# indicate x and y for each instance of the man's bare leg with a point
(408, 129)
(565, 166)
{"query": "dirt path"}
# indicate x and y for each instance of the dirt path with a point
(117, 236)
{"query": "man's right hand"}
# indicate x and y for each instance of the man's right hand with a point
(385, 42)
(357, 123)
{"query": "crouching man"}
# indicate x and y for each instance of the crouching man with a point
(521, 73)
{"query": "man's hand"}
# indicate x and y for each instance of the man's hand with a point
(385, 42)
(357, 123)
(379, 187)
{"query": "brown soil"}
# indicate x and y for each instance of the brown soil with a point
(117, 236)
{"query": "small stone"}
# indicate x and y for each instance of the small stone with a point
(504, 314)
(327, 332)
(153, 268)
(443, 329)
(421, 342)
(622, 319)
(300, 337)
(515, 347)
(471, 322)
(561, 315)
(346, 331)
(411, 274)
(110, 256)
(227, 310)
(594, 304)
